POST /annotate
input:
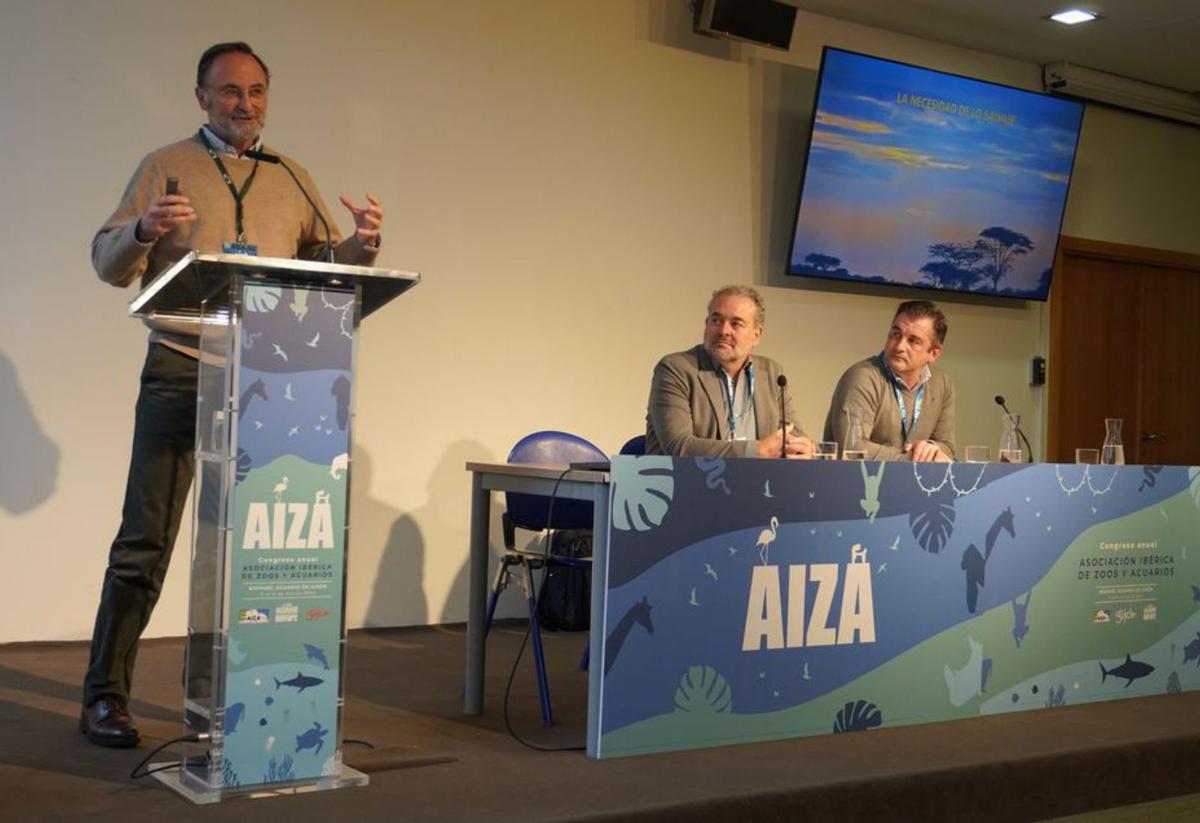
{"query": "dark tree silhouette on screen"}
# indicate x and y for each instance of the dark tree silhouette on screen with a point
(822, 262)
(1001, 247)
(956, 265)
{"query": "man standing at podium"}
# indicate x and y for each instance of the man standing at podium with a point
(204, 194)
(907, 403)
(719, 399)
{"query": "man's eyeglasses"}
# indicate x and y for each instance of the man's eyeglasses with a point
(232, 94)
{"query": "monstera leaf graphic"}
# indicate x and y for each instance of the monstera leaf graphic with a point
(703, 691)
(1194, 478)
(244, 462)
(857, 716)
(932, 525)
(642, 493)
(262, 298)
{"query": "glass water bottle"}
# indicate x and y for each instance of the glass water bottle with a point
(1112, 453)
(1010, 445)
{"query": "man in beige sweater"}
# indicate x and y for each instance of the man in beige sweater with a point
(225, 201)
(906, 403)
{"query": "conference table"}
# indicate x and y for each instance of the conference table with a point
(743, 600)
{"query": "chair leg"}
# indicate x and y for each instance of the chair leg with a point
(539, 660)
(500, 584)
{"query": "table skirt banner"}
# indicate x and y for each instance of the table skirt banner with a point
(751, 600)
(289, 543)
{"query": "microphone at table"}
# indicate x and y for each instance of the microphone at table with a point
(1000, 402)
(255, 154)
(781, 381)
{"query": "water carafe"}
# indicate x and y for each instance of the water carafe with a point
(1010, 446)
(1112, 453)
(855, 447)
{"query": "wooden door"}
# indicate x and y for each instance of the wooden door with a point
(1169, 391)
(1125, 342)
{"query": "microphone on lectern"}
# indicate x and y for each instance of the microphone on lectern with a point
(255, 154)
(781, 381)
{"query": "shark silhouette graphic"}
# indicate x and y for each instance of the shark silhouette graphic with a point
(300, 682)
(1131, 670)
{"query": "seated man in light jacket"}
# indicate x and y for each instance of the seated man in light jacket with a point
(719, 400)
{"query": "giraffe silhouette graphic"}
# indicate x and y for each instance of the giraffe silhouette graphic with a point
(255, 389)
(975, 564)
(638, 615)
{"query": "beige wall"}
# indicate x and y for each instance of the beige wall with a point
(570, 178)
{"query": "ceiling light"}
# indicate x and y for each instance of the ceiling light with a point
(1071, 17)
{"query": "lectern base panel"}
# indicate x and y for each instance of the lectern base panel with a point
(173, 779)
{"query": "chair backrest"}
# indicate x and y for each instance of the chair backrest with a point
(635, 445)
(530, 511)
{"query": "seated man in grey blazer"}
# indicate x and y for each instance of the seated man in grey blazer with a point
(717, 399)
(906, 403)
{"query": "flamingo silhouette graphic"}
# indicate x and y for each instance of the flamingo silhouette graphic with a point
(765, 538)
(280, 488)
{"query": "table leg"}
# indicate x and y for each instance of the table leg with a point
(477, 605)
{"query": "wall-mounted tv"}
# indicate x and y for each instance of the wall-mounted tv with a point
(916, 177)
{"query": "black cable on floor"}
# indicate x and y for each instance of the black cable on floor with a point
(187, 738)
(529, 629)
(508, 722)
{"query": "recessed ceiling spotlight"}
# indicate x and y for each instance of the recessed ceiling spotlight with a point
(1072, 17)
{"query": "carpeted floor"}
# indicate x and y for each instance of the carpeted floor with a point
(432, 763)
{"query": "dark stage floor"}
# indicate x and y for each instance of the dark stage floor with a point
(404, 696)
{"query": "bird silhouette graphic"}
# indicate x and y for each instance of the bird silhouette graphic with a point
(312, 344)
(765, 538)
(279, 352)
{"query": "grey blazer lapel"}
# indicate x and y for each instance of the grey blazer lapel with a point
(766, 399)
(710, 381)
(711, 384)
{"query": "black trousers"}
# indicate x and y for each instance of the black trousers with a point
(160, 475)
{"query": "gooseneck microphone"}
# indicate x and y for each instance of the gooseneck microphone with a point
(1000, 402)
(255, 154)
(781, 381)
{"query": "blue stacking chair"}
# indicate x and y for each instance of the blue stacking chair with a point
(635, 445)
(532, 513)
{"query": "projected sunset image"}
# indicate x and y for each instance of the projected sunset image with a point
(921, 178)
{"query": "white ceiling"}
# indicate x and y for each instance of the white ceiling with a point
(1156, 41)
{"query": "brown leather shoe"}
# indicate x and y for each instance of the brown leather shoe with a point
(107, 722)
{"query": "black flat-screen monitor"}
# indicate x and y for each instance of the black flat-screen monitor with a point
(917, 177)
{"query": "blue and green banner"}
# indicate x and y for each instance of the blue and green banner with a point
(288, 545)
(751, 600)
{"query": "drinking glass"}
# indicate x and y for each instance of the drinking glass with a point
(1087, 456)
(854, 454)
(1011, 456)
(978, 454)
(825, 450)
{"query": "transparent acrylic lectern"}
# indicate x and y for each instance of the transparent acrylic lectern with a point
(266, 629)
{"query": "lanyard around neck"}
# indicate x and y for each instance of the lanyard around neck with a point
(918, 399)
(238, 196)
(727, 382)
